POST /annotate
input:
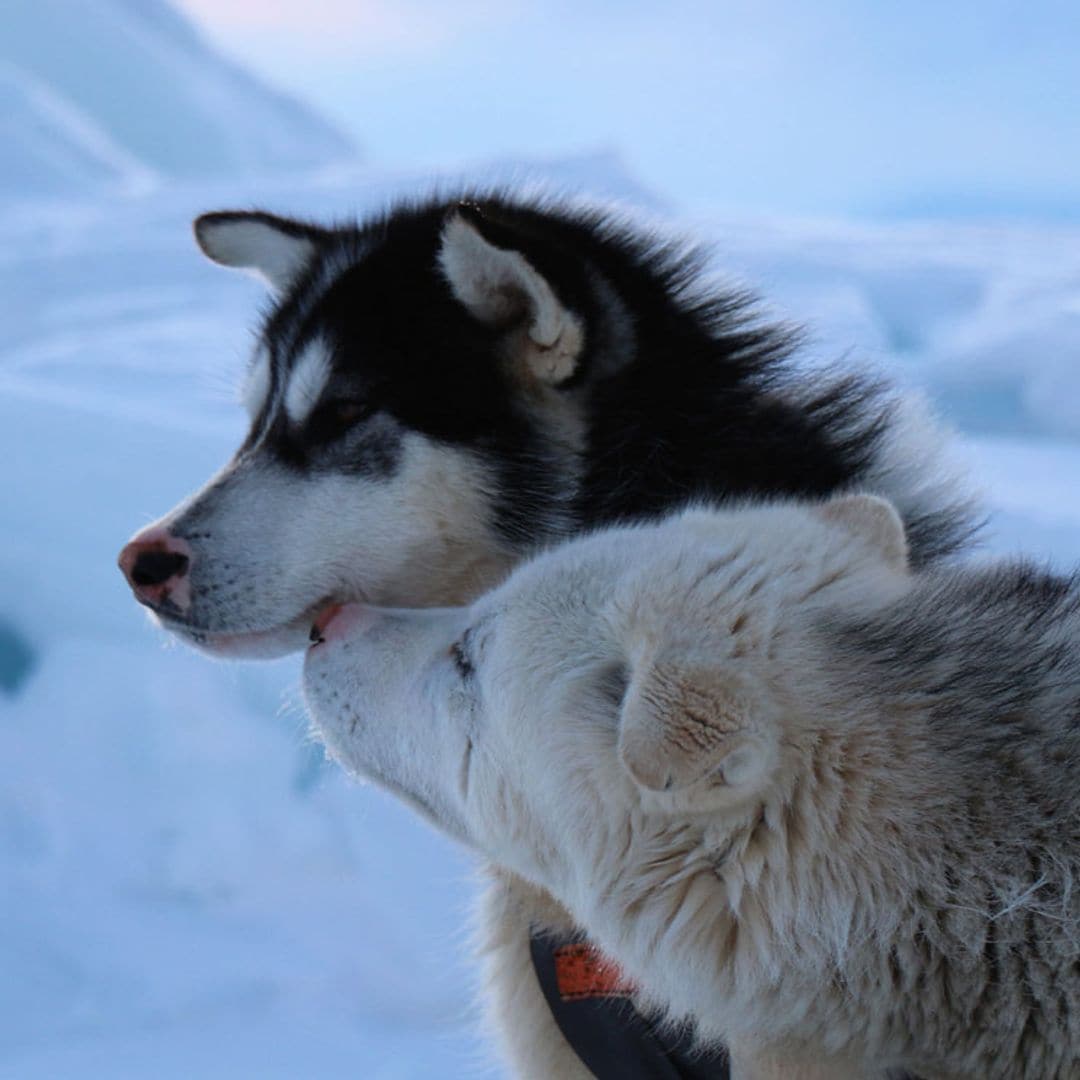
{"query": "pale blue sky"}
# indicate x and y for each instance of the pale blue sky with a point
(833, 107)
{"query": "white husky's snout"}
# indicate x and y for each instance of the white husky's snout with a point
(375, 682)
(365, 653)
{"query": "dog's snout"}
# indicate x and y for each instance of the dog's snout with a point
(156, 566)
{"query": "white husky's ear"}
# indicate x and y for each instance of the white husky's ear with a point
(500, 286)
(683, 723)
(872, 519)
(273, 248)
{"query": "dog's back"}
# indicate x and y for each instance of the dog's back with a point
(976, 850)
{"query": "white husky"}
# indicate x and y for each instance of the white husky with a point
(820, 807)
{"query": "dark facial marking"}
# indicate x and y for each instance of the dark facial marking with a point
(462, 663)
(333, 419)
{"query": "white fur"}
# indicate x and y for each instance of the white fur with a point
(875, 520)
(308, 377)
(818, 806)
(494, 284)
(257, 246)
(420, 536)
(523, 764)
(516, 1011)
(255, 390)
(915, 466)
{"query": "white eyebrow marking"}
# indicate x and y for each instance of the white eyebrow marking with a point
(308, 378)
(256, 386)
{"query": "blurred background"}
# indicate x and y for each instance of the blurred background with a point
(186, 888)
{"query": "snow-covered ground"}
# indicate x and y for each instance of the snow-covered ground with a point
(186, 889)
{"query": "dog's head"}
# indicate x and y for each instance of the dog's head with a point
(414, 421)
(618, 690)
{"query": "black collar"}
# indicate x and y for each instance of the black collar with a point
(591, 1002)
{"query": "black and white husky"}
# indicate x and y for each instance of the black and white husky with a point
(438, 391)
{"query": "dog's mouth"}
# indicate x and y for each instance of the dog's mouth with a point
(322, 621)
(263, 644)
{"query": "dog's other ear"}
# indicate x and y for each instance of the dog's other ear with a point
(872, 519)
(681, 723)
(499, 286)
(275, 249)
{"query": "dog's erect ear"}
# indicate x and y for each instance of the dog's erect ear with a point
(276, 249)
(498, 285)
(872, 519)
(682, 723)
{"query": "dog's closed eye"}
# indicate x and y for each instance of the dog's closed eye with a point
(333, 418)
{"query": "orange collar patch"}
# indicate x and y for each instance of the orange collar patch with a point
(582, 972)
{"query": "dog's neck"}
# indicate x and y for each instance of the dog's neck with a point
(715, 915)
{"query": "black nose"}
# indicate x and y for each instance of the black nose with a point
(154, 567)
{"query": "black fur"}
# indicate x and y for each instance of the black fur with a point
(686, 394)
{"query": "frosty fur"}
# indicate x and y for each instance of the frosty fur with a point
(820, 806)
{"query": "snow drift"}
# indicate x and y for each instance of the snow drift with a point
(110, 95)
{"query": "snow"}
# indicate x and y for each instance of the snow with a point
(117, 94)
(186, 887)
(55, 145)
(986, 318)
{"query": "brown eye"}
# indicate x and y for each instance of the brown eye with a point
(333, 418)
(347, 412)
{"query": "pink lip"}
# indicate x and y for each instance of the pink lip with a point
(294, 636)
(338, 620)
(323, 620)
